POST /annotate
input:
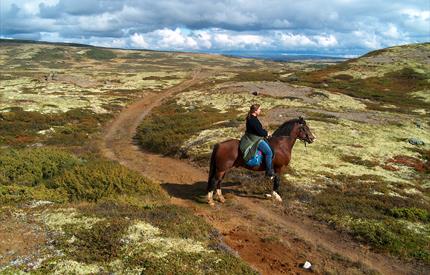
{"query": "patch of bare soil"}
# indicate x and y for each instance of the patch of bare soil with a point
(272, 239)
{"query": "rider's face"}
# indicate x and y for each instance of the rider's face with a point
(258, 112)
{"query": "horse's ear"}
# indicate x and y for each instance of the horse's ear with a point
(302, 120)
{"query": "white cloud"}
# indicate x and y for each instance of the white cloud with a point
(368, 40)
(225, 40)
(171, 39)
(295, 40)
(137, 41)
(417, 20)
(393, 32)
(326, 41)
(221, 25)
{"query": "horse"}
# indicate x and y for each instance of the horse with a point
(226, 155)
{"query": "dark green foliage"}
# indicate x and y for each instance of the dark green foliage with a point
(19, 128)
(30, 167)
(100, 54)
(13, 194)
(170, 125)
(98, 179)
(52, 174)
(412, 214)
(393, 236)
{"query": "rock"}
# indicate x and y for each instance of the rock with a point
(418, 124)
(255, 93)
(307, 265)
(415, 141)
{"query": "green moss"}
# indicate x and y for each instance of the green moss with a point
(100, 54)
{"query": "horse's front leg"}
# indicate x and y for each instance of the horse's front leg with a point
(276, 184)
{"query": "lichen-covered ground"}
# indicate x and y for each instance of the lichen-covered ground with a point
(65, 209)
(368, 173)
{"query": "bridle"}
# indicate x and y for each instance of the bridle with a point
(302, 130)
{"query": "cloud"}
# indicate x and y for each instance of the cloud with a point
(138, 41)
(272, 25)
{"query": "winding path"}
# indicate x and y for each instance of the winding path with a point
(263, 234)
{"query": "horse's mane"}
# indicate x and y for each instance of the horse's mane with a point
(286, 128)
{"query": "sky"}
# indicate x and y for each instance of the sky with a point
(337, 27)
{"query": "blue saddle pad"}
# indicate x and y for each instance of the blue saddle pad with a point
(256, 159)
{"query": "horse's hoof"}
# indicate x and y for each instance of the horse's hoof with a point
(276, 196)
(211, 203)
(221, 199)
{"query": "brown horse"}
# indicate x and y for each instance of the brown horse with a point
(226, 155)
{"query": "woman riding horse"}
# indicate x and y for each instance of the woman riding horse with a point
(254, 139)
(227, 154)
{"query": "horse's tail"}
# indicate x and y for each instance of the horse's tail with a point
(212, 168)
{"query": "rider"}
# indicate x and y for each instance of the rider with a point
(254, 128)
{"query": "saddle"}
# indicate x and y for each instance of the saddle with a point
(258, 158)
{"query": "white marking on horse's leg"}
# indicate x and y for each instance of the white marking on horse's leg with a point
(210, 198)
(220, 196)
(276, 196)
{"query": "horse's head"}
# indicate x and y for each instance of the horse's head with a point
(304, 133)
(298, 127)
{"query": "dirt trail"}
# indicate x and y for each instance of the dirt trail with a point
(270, 240)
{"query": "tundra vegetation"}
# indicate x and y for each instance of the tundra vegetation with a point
(366, 175)
(83, 213)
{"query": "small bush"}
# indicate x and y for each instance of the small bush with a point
(53, 174)
(98, 179)
(20, 128)
(30, 167)
(102, 243)
(412, 214)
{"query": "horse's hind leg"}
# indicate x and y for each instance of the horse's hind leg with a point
(215, 182)
(220, 197)
(211, 187)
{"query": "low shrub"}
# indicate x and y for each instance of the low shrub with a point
(170, 125)
(53, 174)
